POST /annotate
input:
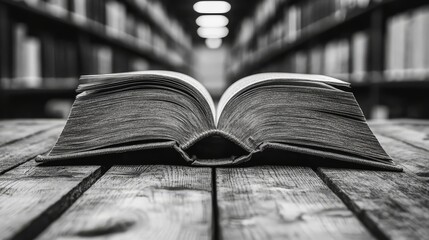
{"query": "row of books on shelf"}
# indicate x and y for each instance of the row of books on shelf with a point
(347, 58)
(157, 12)
(266, 10)
(45, 61)
(407, 46)
(344, 58)
(293, 19)
(314, 11)
(117, 20)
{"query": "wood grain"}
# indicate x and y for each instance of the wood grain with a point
(33, 196)
(402, 122)
(408, 144)
(418, 138)
(13, 130)
(281, 202)
(174, 202)
(415, 161)
(141, 202)
(18, 152)
(393, 205)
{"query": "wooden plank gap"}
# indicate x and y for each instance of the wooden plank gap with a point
(141, 202)
(415, 161)
(350, 204)
(13, 155)
(6, 169)
(12, 131)
(282, 202)
(402, 141)
(392, 205)
(418, 139)
(28, 136)
(34, 196)
(215, 208)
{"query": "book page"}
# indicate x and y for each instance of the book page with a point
(246, 82)
(90, 80)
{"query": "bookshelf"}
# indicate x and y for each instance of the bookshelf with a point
(353, 40)
(46, 45)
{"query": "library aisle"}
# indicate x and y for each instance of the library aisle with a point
(379, 46)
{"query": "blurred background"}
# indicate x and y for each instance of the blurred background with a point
(380, 46)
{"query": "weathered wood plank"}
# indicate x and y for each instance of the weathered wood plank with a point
(393, 205)
(420, 126)
(141, 202)
(33, 196)
(415, 161)
(402, 133)
(13, 154)
(280, 202)
(408, 144)
(13, 130)
(401, 122)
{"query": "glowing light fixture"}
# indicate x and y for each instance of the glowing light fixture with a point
(212, 21)
(212, 7)
(220, 32)
(213, 43)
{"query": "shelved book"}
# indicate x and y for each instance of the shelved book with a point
(312, 115)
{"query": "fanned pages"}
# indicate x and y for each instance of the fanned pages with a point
(311, 115)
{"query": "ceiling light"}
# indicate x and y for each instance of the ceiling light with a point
(212, 7)
(212, 21)
(213, 43)
(212, 32)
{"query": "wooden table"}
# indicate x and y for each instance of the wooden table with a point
(179, 202)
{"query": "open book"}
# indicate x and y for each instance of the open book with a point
(307, 114)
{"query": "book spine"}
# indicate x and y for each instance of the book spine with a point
(79, 11)
(407, 47)
(6, 50)
(27, 59)
(359, 56)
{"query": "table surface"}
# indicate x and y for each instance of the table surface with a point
(180, 202)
